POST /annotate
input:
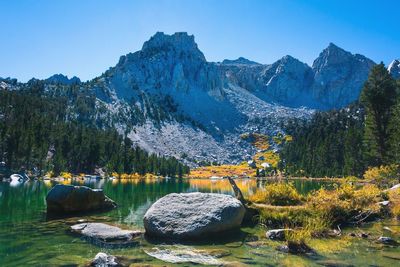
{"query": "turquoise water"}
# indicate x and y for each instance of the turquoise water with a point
(28, 238)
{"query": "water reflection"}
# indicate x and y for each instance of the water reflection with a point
(26, 237)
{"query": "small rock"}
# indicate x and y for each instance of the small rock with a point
(387, 229)
(363, 235)
(252, 164)
(295, 248)
(384, 203)
(277, 234)
(104, 260)
(106, 235)
(387, 240)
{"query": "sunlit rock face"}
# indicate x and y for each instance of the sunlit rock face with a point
(338, 77)
(193, 215)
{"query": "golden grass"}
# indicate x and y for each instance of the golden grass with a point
(394, 198)
(241, 170)
(280, 194)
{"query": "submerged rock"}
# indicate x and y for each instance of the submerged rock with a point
(387, 240)
(69, 198)
(277, 234)
(296, 248)
(104, 260)
(106, 235)
(193, 215)
(183, 254)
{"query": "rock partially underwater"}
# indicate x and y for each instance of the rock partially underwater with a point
(193, 215)
(106, 235)
(69, 199)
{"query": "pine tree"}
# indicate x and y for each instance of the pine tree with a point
(378, 97)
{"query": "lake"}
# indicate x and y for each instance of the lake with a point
(28, 238)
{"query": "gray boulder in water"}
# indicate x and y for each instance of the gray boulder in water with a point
(193, 215)
(105, 235)
(69, 198)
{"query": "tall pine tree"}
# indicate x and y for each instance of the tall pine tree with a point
(378, 97)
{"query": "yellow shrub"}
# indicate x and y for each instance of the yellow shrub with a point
(345, 202)
(280, 194)
(66, 175)
(383, 175)
(394, 197)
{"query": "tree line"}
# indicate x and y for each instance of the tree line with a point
(347, 141)
(37, 131)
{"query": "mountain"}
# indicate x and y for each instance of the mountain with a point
(239, 61)
(394, 68)
(168, 99)
(63, 79)
(339, 76)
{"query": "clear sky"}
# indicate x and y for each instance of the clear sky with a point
(85, 37)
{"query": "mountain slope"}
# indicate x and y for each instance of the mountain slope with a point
(169, 100)
(339, 77)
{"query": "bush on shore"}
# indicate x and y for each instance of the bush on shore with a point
(324, 209)
(278, 194)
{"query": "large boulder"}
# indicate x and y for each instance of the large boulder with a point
(193, 215)
(106, 235)
(69, 198)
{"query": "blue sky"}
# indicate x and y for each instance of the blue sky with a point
(84, 38)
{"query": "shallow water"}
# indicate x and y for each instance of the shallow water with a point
(27, 238)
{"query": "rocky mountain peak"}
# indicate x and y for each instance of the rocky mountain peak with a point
(239, 61)
(339, 76)
(62, 79)
(179, 42)
(394, 68)
(332, 55)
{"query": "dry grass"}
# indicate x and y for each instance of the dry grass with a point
(241, 170)
(279, 194)
(394, 198)
(325, 209)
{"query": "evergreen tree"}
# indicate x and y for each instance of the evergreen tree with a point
(35, 132)
(378, 97)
